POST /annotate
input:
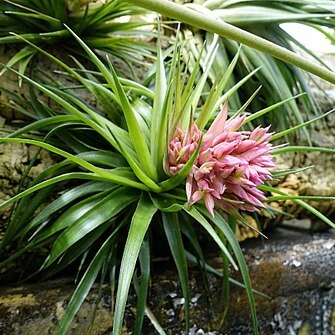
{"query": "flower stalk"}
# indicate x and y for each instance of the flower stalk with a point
(217, 26)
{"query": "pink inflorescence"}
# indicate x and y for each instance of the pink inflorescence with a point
(229, 166)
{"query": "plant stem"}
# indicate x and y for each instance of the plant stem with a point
(214, 25)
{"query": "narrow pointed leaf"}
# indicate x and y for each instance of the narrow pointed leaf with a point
(205, 224)
(133, 127)
(231, 238)
(157, 111)
(173, 234)
(295, 128)
(104, 210)
(301, 203)
(139, 225)
(296, 148)
(142, 287)
(215, 92)
(84, 286)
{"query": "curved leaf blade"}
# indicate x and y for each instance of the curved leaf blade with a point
(139, 225)
(173, 234)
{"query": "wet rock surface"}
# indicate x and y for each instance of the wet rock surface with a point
(37, 309)
(297, 271)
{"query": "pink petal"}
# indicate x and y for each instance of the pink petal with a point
(209, 202)
(198, 195)
(234, 124)
(219, 122)
(224, 149)
(189, 186)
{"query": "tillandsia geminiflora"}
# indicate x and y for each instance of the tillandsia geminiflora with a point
(145, 158)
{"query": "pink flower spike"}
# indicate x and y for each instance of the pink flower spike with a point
(230, 165)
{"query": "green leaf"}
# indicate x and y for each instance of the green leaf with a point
(65, 104)
(235, 87)
(219, 221)
(173, 234)
(192, 211)
(214, 94)
(166, 204)
(120, 176)
(247, 103)
(288, 131)
(72, 214)
(192, 103)
(104, 210)
(57, 179)
(85, 285)
(268, 109)
(139, 225)
(63, 201)
(140, 174)
(71, 195)
(79, 249)
(157, 134)
(25, 53)
(142, 287)
(43, 124)
(301, 203)
(249, 15)
(283, 173)
(295, 148)
(101, 125)
(135, 133)
(296, 197)
(154, 321)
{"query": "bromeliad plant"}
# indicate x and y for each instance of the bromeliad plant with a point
(97, 22)
(146, 162)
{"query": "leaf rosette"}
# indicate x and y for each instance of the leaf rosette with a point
(118, 177)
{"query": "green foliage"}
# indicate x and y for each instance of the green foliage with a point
(279, 80)
(98, 23)
(112, 181)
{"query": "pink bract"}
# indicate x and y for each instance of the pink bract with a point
(230, 164)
